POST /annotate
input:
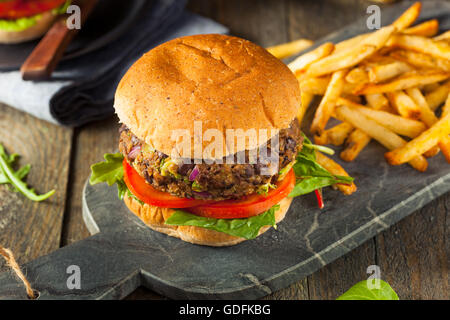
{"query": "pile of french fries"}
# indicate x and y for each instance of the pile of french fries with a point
(387, 85)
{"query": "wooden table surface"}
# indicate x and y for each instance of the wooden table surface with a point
(413, 254)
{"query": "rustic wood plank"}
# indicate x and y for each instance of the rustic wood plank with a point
(337, 277)
(263, 22)
(414, 254)
(31, 229)
(90, 143)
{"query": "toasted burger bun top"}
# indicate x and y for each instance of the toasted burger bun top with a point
(225, 82)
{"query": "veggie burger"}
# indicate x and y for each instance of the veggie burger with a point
(23, 20)
(219, 84)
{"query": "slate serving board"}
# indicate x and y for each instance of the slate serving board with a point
(124, 254)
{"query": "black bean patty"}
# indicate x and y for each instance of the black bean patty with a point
(213, 181)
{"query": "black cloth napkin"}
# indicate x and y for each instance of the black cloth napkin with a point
(82, 89)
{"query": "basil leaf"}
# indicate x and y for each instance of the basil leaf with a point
(247, 228)
(109, 171)
(308, 185)
(360, 291)
(310, 174)
(307, 167)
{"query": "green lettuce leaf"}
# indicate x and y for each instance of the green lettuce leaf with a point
(27, 22)
(360, 291)
(19, 24)
(110, 171)
(247, 228)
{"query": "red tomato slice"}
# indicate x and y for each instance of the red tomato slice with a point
(16, 9)
(146, 193)
(249, 206)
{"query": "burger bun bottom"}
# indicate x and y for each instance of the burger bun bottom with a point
(154, 217)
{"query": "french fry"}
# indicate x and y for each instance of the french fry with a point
(335, 135)
(349, 43)
(437, 97)
(376, 131)
(327, 104)
(318, 86)
(336, 169)
(430, 87)
(446, 108)
(426, 114)
(299, 65)
(357, 75)
(351, 56)
(408, 17)
(403, 126)
(352, 97)
(305, 101)
(377, 101)
(429, 118)
(354, 144)
(404, 105)
(285, 50)
(443, 36)
(432, 47)
(421, 60)
(407, 80)
(421, 144)
(384, 72)
(425, 29)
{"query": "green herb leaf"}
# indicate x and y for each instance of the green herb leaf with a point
(310, 174)
(109, 171)
(247, 228)
(7, 175)
(308, 185)
(307, 151)
(360, 291)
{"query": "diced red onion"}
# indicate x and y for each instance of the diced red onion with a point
(134, 152)
(193, 174)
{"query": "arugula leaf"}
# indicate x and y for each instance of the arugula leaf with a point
(7, 175)
(307, 150)
(111, 172)
(247, 228)
(360, 291)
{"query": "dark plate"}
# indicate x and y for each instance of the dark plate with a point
(107, 22)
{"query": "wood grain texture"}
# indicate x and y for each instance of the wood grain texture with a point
(414, 254)
(32, 229)
(91, 142)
